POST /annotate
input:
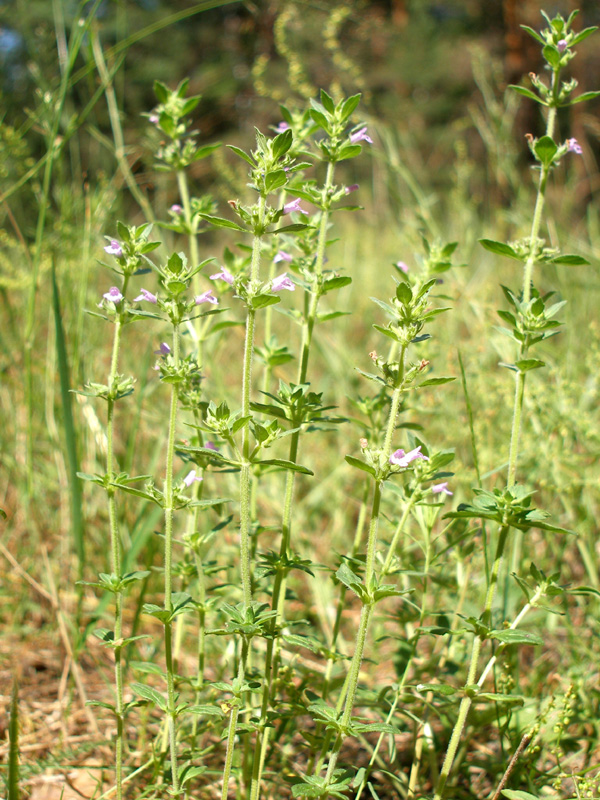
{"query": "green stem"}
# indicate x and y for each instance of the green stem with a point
(465, 704)
(196, 328)
(279, 586)
(413, 645)
(233, 725)
(169, 513)
(512, 461)
(246, 480)
(367, 608)
(115, 549)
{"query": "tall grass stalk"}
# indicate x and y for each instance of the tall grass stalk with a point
(53, 147)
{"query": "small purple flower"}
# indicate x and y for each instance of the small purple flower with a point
(282, 127)
(114, 249)
(562, 46)
(282, 282)
(360, 136)
(352, 188)
(573, 146)
(113, 295)
(153, 118)
(402, 459)
(283, 256)
(145, 295)
(206, 297)
(163, 350)
(293, 205)
(441, 488)
(401, 265)
(192, 477)
(223, 275)
(176, 209)
(211, 446)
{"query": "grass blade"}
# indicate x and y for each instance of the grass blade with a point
(69, 429)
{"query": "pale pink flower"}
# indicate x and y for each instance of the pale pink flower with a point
(145, 295)
(294, 205)
(206, 297)
(402, 459)
(163, 350)
(176, 208)
(401, 265)
(573, 146)
(282, 282)
(360, 136)
(562, 46)
(223, 275)
(114, 249)
(352, 188)
(192, 477)
(283, 256)
(211, 446)
(153, 118)
(282, 127)
(113, 295)
(441, 488)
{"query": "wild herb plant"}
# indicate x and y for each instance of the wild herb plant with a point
(531, 321)
(241, 719)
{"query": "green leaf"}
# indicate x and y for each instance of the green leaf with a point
(350, 579)
(349, 151)
(551, 55)
(239, 152)
(545, 150)
(500, 248)
(437, 688)
(295, 226)
(336, 283)
(527, 364)
(533, 33)
(264, 300)
(518, 795)
(510, 636)
(528, 93)
(356, 462)
(203, 152)
(148, 693)
(161, 91)
(282, 143)
(287, 465)
(583, 35)
(349, 105)
(220, 222)
(583, 97)
(497, 697)
(435, 382)
(273, 180)
(205, 710)
(404, 293)
(569, 260)
(320, 119)
(327, 102)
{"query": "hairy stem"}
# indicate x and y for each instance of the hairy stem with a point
(169, 514)
(279, 586)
